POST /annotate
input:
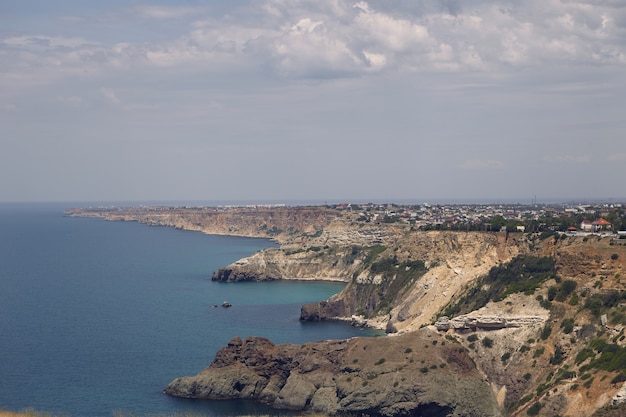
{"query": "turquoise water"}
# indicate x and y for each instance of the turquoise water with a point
(97, 317)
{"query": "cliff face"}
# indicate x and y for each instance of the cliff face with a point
(403, 297)
(277, 223)
(417, 374)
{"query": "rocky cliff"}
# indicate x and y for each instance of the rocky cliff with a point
(281, 224)
(420, 373)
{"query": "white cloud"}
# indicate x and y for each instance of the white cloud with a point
(307, 38)
(621, 156)
(387, 32)
(376, 61)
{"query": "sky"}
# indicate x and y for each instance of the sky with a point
(281, 100)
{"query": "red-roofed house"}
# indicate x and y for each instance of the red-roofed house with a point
(601, 224)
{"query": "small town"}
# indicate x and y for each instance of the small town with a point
(605, 218)
(577, 219)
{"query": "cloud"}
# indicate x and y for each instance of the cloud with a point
(481, 164)
(308, 39)
(621, 156)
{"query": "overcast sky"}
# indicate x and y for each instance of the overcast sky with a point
(276, 100)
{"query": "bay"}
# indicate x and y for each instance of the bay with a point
(97, 317)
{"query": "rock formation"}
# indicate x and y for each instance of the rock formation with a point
(406, 375)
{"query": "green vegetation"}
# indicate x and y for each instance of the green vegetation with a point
(567, 325)
(396, 277)
(599, 303)
(534, 409)
(487, 342)
(524, 273)
(563, 291)
(545, 333)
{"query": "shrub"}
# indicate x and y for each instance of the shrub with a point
(487, 342)
(614, 256)
(621, 377)
(565, 289)
(408, 350)
(545, 333)
(505, 357)
(552, 293)
(534, 409)
(527, 376)
(567, 325)
(558, 356)
(380, 361)
(472, 337)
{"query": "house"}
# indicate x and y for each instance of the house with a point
(586, 226)
(600, 225)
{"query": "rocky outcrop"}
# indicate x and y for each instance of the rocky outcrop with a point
(407, 375)
(486, 322)
(323, 310)
(319, 263)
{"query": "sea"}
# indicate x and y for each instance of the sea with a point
(97, 317)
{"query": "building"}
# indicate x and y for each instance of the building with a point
(601, 224)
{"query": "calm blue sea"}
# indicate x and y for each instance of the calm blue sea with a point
(98, 317)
